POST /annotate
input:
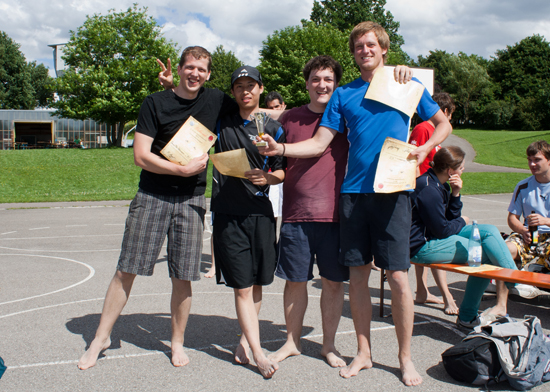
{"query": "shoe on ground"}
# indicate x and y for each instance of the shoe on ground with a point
(481, 320)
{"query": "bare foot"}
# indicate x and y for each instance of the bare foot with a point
(428, 299)
(179, 358)
(333, 357)
(267, 367)
(359, 362)
(451, 308)
(410, 375)
(496, 310)
(89, 358)
(289, 349)
(241, 353)
(211, 273)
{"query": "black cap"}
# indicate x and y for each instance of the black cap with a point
(246, 70)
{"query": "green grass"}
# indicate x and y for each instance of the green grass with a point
(67, 175)
(110, 173)
(501, 148)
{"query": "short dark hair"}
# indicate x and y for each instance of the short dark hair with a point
(448, 158)
(539, 146)
(323, 62)
(198, 52)
(273, 95)
(445, 101)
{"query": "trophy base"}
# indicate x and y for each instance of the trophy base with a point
(261, 144)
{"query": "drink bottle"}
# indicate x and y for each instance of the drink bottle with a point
(474, 247)
(534, 230)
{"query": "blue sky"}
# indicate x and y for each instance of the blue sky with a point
(470, 26)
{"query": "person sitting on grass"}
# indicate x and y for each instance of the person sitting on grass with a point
(439, 234)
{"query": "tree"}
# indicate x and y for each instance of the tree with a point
(15, 84)
(111, 68)
(521, 72)
(223, 65)
(346, 14)
(466, 79)
(285, 52)
(42, 84)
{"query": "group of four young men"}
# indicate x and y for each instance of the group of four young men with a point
(330, 210)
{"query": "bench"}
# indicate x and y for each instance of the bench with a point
(504, 274)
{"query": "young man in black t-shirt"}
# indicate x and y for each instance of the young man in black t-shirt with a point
(244, 226)
(170, 201)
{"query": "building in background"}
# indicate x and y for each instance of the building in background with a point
(30, 129)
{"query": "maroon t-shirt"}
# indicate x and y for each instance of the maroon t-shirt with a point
(312, 185)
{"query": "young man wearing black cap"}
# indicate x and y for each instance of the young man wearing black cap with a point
(244, 226)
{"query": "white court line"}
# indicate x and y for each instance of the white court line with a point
(226, 347)
(62, 251)
(9, 232)
(39, 228)
(113, 224)
(61, 237)
(90, 268)
(488, 201)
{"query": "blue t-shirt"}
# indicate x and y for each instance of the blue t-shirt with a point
(531, 195)
(369, 123)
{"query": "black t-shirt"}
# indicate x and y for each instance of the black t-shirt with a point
(161, 116)
(238, 196)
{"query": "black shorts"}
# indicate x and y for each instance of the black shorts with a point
(244, 250)
(375, 225)
(301, 244)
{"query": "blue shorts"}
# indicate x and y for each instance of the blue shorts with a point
(301, 243)
(375, 225)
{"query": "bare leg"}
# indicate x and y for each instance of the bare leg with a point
(242, 350)
(501, 308)
(332, 302)
(403, 315)
(513, 250)
(423, 295)
(212, 271)
(248, 320)
(180, 305)
(295, 302)
(441, 281)
(115, 300)
(361, 312)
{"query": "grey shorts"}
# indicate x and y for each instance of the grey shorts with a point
(153, 217)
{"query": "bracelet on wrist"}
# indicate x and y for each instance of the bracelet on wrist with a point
(284, 150)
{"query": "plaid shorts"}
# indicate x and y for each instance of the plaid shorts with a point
(538, 255)
(150, 219)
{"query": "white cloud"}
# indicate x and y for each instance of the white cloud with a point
(471, 26)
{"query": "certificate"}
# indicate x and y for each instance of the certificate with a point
(191, 141)
(231, 163)
(403, 97)
(395, 172)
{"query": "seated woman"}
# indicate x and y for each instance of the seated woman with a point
(439, 234)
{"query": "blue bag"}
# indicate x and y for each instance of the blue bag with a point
(2, 367)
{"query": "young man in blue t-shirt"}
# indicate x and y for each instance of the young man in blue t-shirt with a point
(531, 200)
(372, 224)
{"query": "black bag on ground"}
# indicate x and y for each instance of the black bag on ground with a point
(474, 361)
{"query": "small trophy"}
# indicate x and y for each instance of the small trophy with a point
(261, 119)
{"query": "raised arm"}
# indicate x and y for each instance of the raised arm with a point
(166, 79)
(144, 158)
(309, 148)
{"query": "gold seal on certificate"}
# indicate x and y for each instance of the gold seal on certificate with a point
(261, 119)
(395, 172)
(191, 141)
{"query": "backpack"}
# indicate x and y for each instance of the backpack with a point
(522, 351)
(473, 361)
